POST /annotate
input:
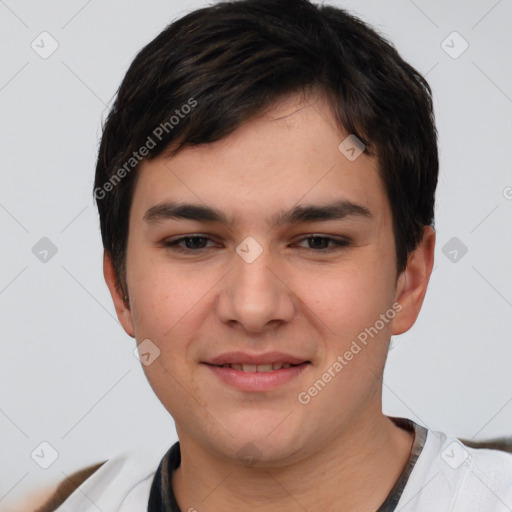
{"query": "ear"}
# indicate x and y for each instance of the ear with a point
(413, 281)
(123, 310)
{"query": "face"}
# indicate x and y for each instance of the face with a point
(288, 257)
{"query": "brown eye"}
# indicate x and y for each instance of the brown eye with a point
(319, 243)
(188, 243)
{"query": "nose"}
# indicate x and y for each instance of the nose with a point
(255, 295)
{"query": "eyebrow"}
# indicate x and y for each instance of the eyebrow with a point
(335, 210)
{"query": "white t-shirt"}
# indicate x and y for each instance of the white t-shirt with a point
(447, 477)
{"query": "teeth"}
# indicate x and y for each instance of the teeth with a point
(260, 368)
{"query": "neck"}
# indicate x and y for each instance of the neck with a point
(355, 472)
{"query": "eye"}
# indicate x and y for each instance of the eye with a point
(319, 243)
(192, 243)
(198, 243)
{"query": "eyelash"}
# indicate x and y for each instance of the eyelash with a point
(174, 244)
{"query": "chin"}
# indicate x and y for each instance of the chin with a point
(262, 444)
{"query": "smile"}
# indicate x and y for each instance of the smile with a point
(260, 368)
(257, 377)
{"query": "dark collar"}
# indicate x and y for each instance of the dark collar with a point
(420, 436)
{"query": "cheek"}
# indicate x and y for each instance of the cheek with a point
(164, 296)
(350, 303)
(351, 296)
(166, 310)
(167, 376)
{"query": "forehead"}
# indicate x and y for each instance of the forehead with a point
(288, 155)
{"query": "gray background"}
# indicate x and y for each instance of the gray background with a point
(67, 369)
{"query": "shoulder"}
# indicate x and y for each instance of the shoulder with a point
(68, 486)
(452, 475)
(488, 478)
(124, 480)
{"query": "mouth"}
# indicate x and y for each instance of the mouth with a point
(256, 373)
(259, 368)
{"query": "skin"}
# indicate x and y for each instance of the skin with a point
(339, 448)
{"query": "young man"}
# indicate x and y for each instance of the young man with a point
(266, 185)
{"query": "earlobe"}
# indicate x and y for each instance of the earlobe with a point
(412, 283)
(123, 310)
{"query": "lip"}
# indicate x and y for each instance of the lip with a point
(257, 381)
(246, 358)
